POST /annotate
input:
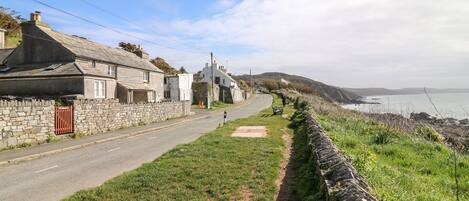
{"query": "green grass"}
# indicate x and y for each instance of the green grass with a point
(307, 183)
(218, 105)
(214, 167)
(397, 165)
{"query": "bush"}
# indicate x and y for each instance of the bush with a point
(431, 134)
(381, 138)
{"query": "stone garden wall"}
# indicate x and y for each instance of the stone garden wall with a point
(25, 122)
(97, 116)
(31, 122)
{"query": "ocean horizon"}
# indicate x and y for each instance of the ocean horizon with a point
(449, 105)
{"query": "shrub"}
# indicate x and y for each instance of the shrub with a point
(51, 138)
(381, 138)
(431, 134)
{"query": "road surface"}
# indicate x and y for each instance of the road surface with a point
(60, 175)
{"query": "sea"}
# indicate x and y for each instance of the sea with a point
(454, 105)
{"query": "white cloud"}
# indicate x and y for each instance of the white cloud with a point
(352, 43)
(391, 43)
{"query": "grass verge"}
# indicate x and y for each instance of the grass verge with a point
(214, 167)
(220, 105)
(397, 165)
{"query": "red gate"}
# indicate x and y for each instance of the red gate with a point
(63, 120)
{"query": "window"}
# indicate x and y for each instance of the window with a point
(165, 80)
(146, 76)
(153, 96)
(223, 80)
(111, 71)
(217, 80)
(93, 64)
(100, 89)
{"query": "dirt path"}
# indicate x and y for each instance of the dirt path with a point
(285, 181)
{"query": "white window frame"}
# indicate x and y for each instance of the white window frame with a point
(146, 76)
(100, 88)
(153, 96)
(111, 71)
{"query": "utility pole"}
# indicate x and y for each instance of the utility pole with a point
(252, 86)
(211, 68)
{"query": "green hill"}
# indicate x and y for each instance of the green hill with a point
(276, 80)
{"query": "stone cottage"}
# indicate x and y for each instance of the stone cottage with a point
(50, 63)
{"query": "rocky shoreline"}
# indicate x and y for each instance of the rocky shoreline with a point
(455, 132)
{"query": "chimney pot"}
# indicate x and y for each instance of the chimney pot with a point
(36, 16)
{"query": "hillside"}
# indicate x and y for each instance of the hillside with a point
(275, 80)
(404, 91)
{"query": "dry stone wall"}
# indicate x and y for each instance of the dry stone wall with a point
(25, 122)
(96, 116)
(339, 178)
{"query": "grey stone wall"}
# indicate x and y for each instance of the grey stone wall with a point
(339, 178)
(96, 116)
(25, 122)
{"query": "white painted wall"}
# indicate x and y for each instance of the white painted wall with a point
(180, 87)
(2, 38)
(225, 79)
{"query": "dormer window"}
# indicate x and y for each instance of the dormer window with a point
(146, 76)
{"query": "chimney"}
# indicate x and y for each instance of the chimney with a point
(2, 38)
(142, 54)
(36, 17)
(206, 65)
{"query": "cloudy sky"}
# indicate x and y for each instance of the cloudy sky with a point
(348, 43)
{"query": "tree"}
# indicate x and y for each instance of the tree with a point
(198, 76)
(270, 84)
(129, 47)
(10, 21)
(164, 66)
(182, 70)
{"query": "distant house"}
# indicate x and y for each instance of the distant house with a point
(178, 87)
(50, 63)
(229, 90)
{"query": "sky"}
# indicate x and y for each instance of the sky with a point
(346, 43)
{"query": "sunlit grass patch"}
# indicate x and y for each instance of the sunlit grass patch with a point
(214, 167)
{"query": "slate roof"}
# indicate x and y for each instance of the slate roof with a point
(4, 53)
(43, 70)
(88, 49)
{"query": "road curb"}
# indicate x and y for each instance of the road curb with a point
(133, 134)
(55, 151)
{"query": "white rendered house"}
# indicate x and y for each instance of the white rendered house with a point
(178, 87)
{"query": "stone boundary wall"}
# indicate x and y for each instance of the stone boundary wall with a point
(97, 116)
(338, 177)
(25, 122)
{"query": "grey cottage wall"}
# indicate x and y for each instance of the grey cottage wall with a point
(96, 116)
(25, 122)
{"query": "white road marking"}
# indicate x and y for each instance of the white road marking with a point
(152, 138)
(43, 170)
(110, 150)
